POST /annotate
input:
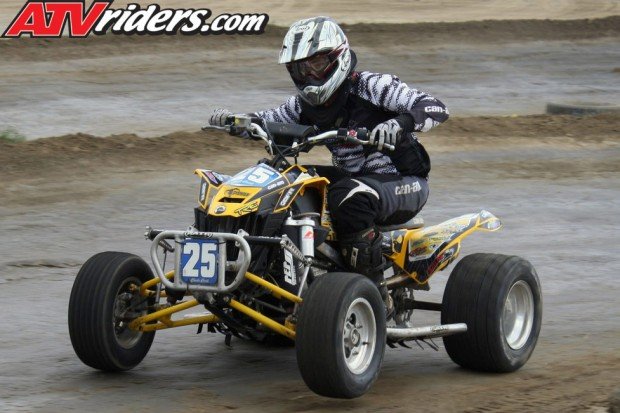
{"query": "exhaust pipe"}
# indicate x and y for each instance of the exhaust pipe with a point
(441, 330)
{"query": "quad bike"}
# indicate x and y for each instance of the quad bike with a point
(262, 260)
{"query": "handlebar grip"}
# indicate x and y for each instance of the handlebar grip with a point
(362, 134)
(152, 233)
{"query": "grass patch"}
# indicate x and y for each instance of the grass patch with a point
(11, 135)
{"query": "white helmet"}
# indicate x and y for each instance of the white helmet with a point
(317, 55)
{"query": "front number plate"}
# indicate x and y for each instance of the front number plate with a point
(199, 261)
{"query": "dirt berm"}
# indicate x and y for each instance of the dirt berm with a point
(66, 154)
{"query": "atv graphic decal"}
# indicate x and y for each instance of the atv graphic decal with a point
(432, 248)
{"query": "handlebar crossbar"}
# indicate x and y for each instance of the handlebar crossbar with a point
(358, 136)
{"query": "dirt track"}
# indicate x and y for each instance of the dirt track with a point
(552, 180)
(557, 194)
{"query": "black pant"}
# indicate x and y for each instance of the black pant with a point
(358, 203)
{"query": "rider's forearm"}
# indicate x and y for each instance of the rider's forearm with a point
(288, 112)
(406, 121)
(417, 111)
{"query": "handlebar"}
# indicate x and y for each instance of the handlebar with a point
(359, 136)
(245, 123)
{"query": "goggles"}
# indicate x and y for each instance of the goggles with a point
(315, 69)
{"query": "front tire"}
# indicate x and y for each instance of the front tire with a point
(499, 298)
(102, 293)
(341, 335)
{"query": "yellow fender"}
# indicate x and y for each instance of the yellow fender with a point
(421, 252)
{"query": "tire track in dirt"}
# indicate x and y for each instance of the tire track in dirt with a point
(570, 386)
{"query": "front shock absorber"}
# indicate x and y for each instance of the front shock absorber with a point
(301, 231)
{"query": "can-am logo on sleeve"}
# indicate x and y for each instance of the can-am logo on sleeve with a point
(50, 18)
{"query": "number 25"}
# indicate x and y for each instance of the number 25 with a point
(207, 255)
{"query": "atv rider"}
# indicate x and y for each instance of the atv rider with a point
(369, 184)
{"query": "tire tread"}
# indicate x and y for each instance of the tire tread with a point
(472, 295)
(93, 287)
(318, 318)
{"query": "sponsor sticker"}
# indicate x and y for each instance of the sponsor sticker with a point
(53, 18)
(303, 28)
(289, 271)
(286, 197)
(236, 192)
(251, 207)
(203, 191)
(276, 185)
(212, 177)
(407, 189)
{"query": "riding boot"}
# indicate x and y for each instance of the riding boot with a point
(362, 253)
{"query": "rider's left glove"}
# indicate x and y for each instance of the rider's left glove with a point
(219, 117)
(386, 133)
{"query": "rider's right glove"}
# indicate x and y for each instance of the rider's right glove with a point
(219, 117)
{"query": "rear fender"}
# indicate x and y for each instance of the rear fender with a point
(422, 252)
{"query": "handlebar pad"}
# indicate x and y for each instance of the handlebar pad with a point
(283, 132)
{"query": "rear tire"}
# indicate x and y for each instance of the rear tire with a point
(499, 298)
(100, 339)
(341, 335)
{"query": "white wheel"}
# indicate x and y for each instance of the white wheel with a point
(359, 336)
(518, 315)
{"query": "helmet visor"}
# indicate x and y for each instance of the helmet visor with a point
(314, 70)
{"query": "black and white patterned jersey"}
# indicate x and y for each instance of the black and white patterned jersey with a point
(370, 99)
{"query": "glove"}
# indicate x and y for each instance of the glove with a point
(386, 133)
(219, 116)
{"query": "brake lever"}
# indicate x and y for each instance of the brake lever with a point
(213, 127)
(234, 124)
(387, 146)
(232, 130)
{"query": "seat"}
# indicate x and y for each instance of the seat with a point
(413, 223)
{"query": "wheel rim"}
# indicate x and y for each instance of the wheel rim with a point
(125, 337)
(359, 337)
(518, 315)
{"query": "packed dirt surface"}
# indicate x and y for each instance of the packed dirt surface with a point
(552, 180)
(157, 85)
